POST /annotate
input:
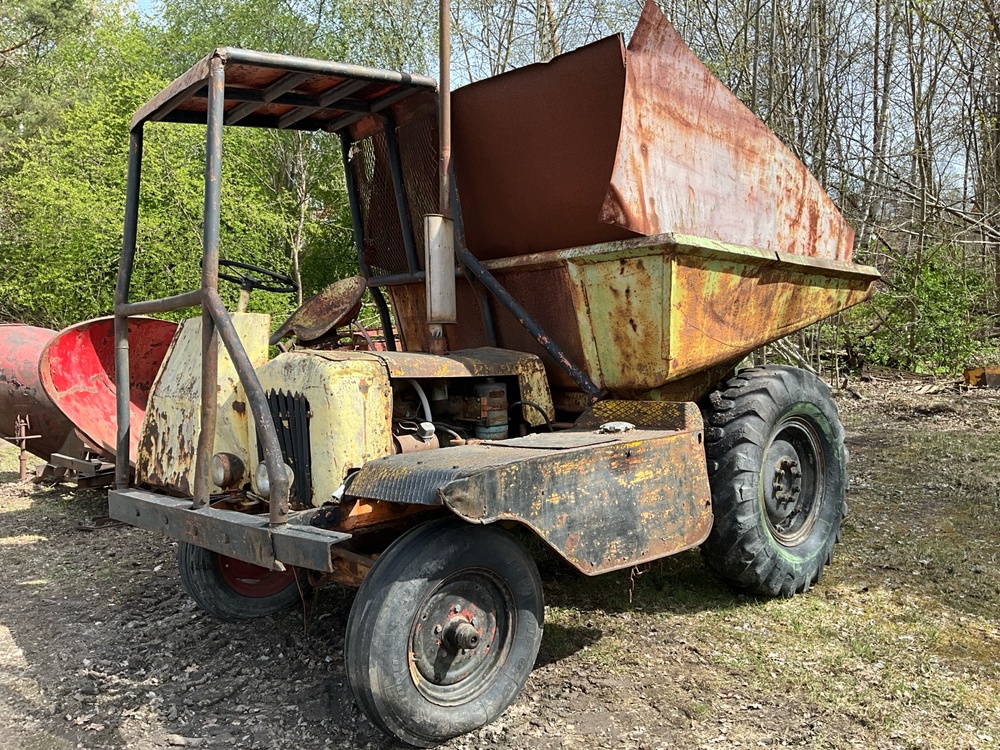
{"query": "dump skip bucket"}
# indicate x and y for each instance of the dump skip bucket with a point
(78, 373)
(610, 142)
(22, 395)
(643, 217)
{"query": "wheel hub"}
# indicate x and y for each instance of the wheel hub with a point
(252, 580)
(793, 494)
(787, 482)
(459, 637)
(461, 634)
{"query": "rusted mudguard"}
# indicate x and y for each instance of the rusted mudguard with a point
(603, 501)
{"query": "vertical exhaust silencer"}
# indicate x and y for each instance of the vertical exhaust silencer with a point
(439, 244)
(439, 229)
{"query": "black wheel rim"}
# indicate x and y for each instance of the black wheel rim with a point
(791, 479)
(460, 636)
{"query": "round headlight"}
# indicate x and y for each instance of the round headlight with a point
(227, 470)
(263, 481)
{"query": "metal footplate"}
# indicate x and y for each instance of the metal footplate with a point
(243, 536)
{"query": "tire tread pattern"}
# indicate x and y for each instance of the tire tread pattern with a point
(739, 420)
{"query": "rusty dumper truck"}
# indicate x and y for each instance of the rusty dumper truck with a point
(566, 285)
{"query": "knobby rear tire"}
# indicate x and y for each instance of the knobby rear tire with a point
(778, 472)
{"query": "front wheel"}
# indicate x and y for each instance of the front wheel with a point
(444, 631)
(778, 472)
(231, 589)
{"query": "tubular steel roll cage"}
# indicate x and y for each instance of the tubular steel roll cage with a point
(216, 322)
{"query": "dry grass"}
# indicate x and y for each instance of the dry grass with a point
(897, 647)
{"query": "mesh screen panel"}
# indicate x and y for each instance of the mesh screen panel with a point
(385, 252)
(649, 415)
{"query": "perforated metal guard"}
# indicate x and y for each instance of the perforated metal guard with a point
(649, 415)
(385, 252)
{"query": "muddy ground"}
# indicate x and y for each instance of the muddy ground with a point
(896, 647)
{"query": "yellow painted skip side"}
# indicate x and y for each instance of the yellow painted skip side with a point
(654, 310)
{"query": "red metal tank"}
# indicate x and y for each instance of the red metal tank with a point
(22, 395)
(77, 370)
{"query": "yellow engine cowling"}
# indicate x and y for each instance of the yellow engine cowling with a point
(335, 410)
(170, 429)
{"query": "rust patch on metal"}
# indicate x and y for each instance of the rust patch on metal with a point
(348, 572)
(603, 502)
(572, 541)
(322, 313)
(693, 159)
(358, 514)
(638, 141)
(983, 377)
(22, 395)
(601, 507)
(540, 186)
(278, 91)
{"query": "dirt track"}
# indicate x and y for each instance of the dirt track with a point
(100, 647)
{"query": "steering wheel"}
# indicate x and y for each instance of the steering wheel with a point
(258, 278)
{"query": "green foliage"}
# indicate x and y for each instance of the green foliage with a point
(29, 32)
(930, 316)
(63, 185)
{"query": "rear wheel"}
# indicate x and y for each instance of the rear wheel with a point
(231, 589)
(778, 471)
(444, 631)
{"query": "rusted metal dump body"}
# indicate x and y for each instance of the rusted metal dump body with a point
(22, 395)
(652, 311)
(624, 198)
(609, 142)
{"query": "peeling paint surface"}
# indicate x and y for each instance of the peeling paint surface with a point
(77, 370)
(350, 407)
(467, 363)
(693, 159)
(603, 502)
(169, 435)
(640, 314)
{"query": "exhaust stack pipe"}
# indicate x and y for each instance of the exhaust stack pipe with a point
(439, 229)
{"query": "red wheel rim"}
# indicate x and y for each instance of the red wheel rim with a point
(252, 580)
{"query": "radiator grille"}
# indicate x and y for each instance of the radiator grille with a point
(290, 412)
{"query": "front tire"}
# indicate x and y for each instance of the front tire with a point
(444, 631)
(233, 590)
(778, 472)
